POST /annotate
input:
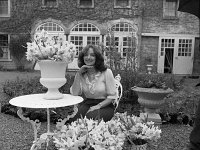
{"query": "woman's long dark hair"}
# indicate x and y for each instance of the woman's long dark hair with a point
(99, 63)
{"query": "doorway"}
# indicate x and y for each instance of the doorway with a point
(168, 62)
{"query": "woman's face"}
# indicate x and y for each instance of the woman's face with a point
(89, 57)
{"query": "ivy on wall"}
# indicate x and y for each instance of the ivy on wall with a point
(25, 12)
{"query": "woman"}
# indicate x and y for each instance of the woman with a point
(96, 83)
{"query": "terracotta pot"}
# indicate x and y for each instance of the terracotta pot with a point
(52, 77)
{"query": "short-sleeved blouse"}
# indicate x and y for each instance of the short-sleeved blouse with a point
(102, 87)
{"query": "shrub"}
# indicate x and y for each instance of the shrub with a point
(27, 86)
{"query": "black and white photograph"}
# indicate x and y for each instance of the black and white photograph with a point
(99, 75)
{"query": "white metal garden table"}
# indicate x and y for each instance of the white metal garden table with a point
(37, 101)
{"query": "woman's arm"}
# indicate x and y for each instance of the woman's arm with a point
(76, 88)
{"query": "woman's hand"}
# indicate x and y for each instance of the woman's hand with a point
(84, 69)
(96, 107)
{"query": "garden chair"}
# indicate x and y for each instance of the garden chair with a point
(119, 91)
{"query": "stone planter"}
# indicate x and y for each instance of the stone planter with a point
(152, 99)
(52, 77)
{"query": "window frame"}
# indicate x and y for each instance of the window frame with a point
(84, 34)
(8, 48)
(44, 6)
(81, 6)
(6, 15)
(116, 6)
(164, 10)
(121, 35)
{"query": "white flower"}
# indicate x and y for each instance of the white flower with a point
(46, 47)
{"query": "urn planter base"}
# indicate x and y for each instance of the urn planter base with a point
(152, 117)
(151, 99)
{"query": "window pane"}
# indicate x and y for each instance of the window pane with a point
(170, 8)
(185, 47)
(78, 41)
(4, 46)
(4, 7)
(122, 3)
(86, 3)
(50, 2)
(84, 27)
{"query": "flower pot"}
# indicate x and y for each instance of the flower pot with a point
(135, 147)
(152, 99)
(149, 68)
(52, 77)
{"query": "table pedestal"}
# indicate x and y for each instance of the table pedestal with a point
(37, 101)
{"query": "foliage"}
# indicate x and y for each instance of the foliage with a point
(162, 81)
(52, 48)
(18, 50)
(116, 57)
(137, 130)
(180, 106)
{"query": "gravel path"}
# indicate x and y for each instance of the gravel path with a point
(16, 134)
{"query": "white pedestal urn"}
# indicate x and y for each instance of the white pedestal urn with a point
(52, 77)
(151, 99)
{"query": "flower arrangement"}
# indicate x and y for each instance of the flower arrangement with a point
(137, 130)
(157, 81)
(45, 47)
(88, 134)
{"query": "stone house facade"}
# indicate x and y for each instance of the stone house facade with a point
(164, 37)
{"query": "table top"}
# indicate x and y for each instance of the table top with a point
(37, 101)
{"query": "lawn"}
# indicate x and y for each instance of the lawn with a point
(18, 135)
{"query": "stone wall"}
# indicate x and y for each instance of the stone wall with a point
(153, 21)
(145, 14)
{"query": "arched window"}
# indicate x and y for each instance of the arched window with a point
(50, 27)
(85, 27)
(123, 27)
(123, 36)
(83, 34)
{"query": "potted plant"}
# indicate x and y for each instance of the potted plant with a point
(138, 131)
(52, 54)
(151, 90)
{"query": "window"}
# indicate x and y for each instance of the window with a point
(170, 9)
(83, 34)
(165, 44)
(50, 3)
(124, 39)
(4, 8)
(86, 3)
(4, 48)
(122, 3)
(185, 47)
(50, 26)
(53, 29)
